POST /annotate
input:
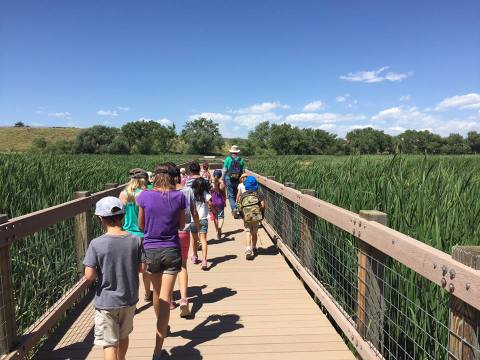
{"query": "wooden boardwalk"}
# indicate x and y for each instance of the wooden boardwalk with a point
(241, 310)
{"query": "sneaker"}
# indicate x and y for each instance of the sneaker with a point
(249, 254)
(163, 356)
(255, 251)
(194, 259)
(148, 296)
(184, 308)
(204, 265)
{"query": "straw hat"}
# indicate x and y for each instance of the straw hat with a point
(234, 149)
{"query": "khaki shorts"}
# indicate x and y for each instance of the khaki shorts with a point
(113, 325)
(252, 227)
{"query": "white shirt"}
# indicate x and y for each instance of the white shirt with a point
(241, 188)
(202, 207)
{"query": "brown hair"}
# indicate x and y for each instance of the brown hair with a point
(164, 177)
(114, 220)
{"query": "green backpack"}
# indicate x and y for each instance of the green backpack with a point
(250, 206)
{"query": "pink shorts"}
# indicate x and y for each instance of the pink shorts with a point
(184, 243)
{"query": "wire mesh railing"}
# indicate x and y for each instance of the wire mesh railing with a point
(397, 312)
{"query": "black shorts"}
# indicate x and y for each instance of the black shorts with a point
(163, 260)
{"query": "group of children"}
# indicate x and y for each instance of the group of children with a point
(147, 230)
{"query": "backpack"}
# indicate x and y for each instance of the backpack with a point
(250, 206)
(235, 169)
(218, 201)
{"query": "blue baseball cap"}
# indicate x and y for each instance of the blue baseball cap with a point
(251, 183)
(217, 173)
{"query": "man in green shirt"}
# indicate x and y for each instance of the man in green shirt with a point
(233, 168)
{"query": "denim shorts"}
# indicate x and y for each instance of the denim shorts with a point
(203, 227)
(163, 260)
(220, 214)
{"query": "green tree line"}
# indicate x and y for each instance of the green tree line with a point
(202, 136)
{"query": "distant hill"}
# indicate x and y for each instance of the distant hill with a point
(21, 138)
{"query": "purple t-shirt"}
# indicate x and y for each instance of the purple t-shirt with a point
(161, 209)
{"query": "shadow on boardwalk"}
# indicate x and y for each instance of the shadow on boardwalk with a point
(209, 329)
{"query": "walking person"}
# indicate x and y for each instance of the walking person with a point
(161, 215)
(194, 168)
(218, 202)
(116, 295)
(233, 168)
(191, 217)
(139, 180)
(252, 207)
(203, 204)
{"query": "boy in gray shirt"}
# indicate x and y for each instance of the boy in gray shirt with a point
(115, 259)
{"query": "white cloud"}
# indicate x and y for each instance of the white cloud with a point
(314, 106)
(323, 117)
(405, 98)
(261, 108)
(407, 116)
(110, 113)
(326, 127)
(375, 76)
(123, 108)
(64, 115)
(468, 101)
(341, 99)
(252, 120)
(220, 117)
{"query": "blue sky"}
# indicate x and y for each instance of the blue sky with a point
(333, 65)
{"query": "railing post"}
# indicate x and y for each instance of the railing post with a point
(110, 186)
(464, 319)
(83, 232)
(370, 298)
(307, 246)
(287, 223)
(8, 328)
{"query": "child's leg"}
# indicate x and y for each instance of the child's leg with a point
(146, 283)
(156, 284)
(221, 215)
(254, 237)
(165, 283)
(203, 239)
(122, 349)
(195, 244)
(110, 353)
(248, 237)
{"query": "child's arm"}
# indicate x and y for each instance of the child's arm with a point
(196, 218)
(123, 197)
(90, 274)
(141, 218)
(181, 219)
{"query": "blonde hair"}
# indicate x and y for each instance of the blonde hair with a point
(132, 186)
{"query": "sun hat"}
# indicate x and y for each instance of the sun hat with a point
(109, 206)
(217, 173)
(251, 183)
(234, 149)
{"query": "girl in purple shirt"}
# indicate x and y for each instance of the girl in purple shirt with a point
(161, 214)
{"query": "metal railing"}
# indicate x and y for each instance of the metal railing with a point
(391, 296)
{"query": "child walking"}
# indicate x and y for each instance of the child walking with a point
(203, 205)
(252, 207)
(139, 180)
(117, 292)
(162, 214)
(218, 201)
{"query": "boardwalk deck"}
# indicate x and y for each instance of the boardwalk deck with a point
(242, 310)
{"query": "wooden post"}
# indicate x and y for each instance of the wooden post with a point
(464, 320)
(287, 223)
(110, 186)
(83, 232)
(370, 298)
(307, 244)
(8, 328)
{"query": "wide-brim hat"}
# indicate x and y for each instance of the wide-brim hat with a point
(234, 149)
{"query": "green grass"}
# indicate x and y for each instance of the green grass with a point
(20, 139)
